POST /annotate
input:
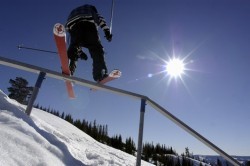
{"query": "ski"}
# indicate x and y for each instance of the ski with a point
(115, 74)
(60, 39)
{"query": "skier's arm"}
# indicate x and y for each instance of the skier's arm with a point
(102, 23)
(105, 28)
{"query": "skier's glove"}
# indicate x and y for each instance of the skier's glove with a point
(108, 35)
(81, 54)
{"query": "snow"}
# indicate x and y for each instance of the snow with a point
(44, 139)
(47, 140)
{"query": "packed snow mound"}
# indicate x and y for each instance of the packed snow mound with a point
(44, 139)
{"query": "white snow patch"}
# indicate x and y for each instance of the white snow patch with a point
(44, 139)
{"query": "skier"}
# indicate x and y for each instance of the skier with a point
(82, 25)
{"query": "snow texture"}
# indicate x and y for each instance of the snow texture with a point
(44, 139)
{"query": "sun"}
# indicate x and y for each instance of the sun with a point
(175, 67)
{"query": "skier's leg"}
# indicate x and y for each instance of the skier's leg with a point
(74, 50)
(99, 67)
(87, 36)
(72, 56)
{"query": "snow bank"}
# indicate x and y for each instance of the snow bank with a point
(44, 139)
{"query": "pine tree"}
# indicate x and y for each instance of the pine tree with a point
(187, 152)
(120, 143)
(116, 142)
(178, 162)
(130, 146)
(219, 162)
(77, 123)
(37, 105)
(94, 132)
(19, 90)
(89, 129)
(62, 116)
(184, 161)
(69, 119)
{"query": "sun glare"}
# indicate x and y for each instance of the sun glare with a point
(175, 67)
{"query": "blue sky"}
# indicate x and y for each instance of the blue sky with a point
(212, 97)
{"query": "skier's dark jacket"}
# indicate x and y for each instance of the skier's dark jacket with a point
(86, 13)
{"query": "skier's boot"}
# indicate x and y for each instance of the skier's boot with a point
(72, 66)
(104, 74)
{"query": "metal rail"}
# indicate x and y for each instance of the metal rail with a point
(144, 100)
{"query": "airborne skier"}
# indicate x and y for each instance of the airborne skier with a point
(82, 25)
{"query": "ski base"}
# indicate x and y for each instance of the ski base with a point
(60, 39)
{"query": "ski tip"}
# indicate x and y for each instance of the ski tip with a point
(115, 73)
(59, 29)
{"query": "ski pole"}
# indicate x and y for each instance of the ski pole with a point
(112, 13)
(35, 49)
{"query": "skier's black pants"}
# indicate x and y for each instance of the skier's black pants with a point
(85, 34)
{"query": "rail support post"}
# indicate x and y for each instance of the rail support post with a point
(140, 136)
(35, 92)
